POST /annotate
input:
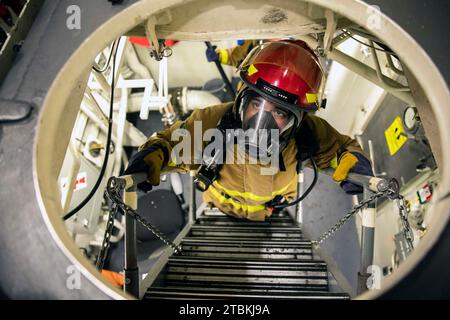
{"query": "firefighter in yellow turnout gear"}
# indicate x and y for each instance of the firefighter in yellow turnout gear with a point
(282, 80)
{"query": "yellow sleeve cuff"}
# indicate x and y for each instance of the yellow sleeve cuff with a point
(223, 56)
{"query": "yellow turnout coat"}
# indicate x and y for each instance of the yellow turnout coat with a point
(241, 190)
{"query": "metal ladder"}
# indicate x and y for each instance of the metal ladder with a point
(228, 258)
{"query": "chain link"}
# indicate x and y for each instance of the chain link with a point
(343, 220)
(113, 193)
(106, 243)
(407, 232)
(391, 193)
(153, 229)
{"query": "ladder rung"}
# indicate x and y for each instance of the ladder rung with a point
(256, 272)
(245, 224)
(245, 286)
(245, 239)
(198, 292)
(201, 241)
(245, 255)
(242, 247)
(246, 234)
(173, 295)
(231, 278)
(248, 229)
(249, 263)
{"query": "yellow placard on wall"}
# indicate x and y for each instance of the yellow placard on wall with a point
(394, 137)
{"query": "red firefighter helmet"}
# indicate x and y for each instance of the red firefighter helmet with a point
(287, 72)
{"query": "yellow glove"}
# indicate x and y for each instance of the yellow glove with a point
(348, 161)
(154, 161)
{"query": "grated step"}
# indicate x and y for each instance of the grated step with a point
(246, 238)
(238, 242)
(247, 235)
(247, 228)
(246, 232)
(181, 292)
(273, 251)
(229, 258)
(217, 279)
(297, 264)
(262, 286)
(247, 224)
(228, 221)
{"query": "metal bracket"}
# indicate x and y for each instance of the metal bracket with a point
(392, 65)
(152, 38)
(395, 86)
(329, 32)
(158, 50)
(339, 39)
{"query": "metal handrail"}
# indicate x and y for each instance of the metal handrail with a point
(131, 270)
(132, 283)
(374, 184)
(370, 186)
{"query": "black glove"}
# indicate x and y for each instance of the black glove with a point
(211, 54)
(150, 161)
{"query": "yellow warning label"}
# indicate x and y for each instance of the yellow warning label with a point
(252, 70)
(394, 136)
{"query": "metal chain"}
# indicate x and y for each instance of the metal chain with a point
(113, 193)
(393, 194)
(106, 243)
(153, 229)
(407, 232)
(343, 220)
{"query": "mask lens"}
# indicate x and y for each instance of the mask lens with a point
(262, 114)
(263, 122)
